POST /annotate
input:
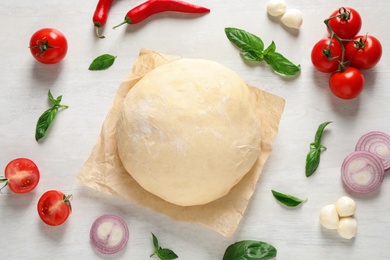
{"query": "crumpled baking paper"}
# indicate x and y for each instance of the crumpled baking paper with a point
(103, 170)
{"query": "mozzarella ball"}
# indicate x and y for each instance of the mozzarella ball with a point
(347, 227)
(292, 18)
(328, 217)
(276, 7)
(345, 206)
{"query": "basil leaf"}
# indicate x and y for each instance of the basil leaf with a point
(252, 49)
(44, 122)
(287, 200)
(313, 156)
(312, 161)
(162, 253)
(102, 62)
(155, 242)
(166, 254)
(270, 49)
(320, 131)
(47, 117)
(281, 65)
(251, 56)
(250, 250)
(245, 41)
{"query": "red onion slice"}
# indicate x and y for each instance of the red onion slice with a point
(378, 143)
(362, 172)
(109, 234)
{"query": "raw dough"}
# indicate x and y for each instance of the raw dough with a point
(188, 132)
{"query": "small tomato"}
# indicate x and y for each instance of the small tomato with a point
(346, 84)
(326, 55)
(346, 23)
(48, 45)
(21, 175)
(54, 207)
(364, 52)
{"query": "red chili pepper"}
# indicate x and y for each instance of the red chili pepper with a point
(100, 16)
(151, 7)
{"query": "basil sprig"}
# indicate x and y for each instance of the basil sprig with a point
(252, 49)
(102, 62)
(47, 118)
(162, 253)
(287, 200)
(313, 156)
(250, 250)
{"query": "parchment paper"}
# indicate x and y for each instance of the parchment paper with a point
(103, 170)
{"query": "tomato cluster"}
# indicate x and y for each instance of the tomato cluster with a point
(345, 53)
(22, 176)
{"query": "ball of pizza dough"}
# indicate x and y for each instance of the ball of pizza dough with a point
(188, 131)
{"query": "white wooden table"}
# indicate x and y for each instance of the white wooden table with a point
(296, 233)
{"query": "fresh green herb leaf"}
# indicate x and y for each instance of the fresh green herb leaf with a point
(320, 131)
(47, 118)
(252, 49)
(251, 56)
(287, 200)
(314, 154)
(162, 253)
(250, 250)
(281, 65)
(312, 161)
(270, 49)
(102, 62)
(245, 41)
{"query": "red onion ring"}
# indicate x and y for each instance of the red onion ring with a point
(362, 172)
(109, 234)
(378, 143)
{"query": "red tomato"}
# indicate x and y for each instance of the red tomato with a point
(326, 55)
(54, 207)
(364, 52)
(48, 46)
(347, 22)
(346, 84)
(21, 175)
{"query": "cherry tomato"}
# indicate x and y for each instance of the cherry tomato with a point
(364, 52)
(21, 175)
(326, 55)
(48, 46)
(347, 22)
(54, 207)
(346, 84)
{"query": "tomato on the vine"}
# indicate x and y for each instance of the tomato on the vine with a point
(346, 23)
(54, 207)
(364, 52)
(21, 175)
(326, 55)
(48, 45)
(346, 84)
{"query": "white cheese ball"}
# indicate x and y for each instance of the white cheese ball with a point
(292, 18)
(188, 131)
(276, 7)
(328, 217)
(345, 206)
(347, 227)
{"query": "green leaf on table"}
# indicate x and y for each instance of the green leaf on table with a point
(162, 253)
(47, 117)
(102, 62)
(250, 250)
(252, 49)
(314, 154)
(287, 200)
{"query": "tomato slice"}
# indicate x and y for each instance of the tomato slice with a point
(22, 175)
(54, 207)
